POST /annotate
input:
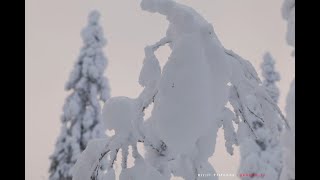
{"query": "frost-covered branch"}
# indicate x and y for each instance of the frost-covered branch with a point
(237, 104)
(160, 43)
(259, 114)
(276, 108)
(128, 126)
(230, 136)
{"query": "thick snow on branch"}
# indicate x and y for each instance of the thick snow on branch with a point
(227, 118)
(149, 75)
(261, 121)
(86, 163)
(194, 47)
(192, 90)
(151, 71)
(117, 115)
(263, 154)
(141, 171)
(122, 115)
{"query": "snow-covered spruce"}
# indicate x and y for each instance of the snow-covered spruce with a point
(271, 76)
(81, 118)
(189, 96)
(288, 137)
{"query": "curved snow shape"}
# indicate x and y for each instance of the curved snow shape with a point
(193, 87)
(186, 102)
(151, 70)
(87, 161)
(141, 171)
(118, 113)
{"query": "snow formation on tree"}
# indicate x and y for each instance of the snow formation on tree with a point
(190, 94)
(81, 118)
(288, 138)
(259, 122)
(271, 76)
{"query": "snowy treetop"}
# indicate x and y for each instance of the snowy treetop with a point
(270, 75)
(81, 118)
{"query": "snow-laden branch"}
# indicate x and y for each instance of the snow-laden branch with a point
(227, 117)
(128, 125)
(249, 78)
(237, 104)
(276, 108)
(160, 43)
(261, 116)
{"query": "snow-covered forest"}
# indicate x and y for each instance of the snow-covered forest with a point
(202, 88)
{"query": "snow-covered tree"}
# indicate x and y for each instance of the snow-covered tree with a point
(271, 76)
(288, 137)
(259, 122)
(189, 96)
(81, 118)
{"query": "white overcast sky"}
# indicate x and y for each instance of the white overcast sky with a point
(248, 27)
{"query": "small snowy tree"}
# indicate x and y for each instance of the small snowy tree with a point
(288, 137)
(81, 118)
(189, 96)
(270, 76)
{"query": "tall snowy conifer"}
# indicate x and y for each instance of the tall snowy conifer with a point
(81, 118)
(271, 76)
